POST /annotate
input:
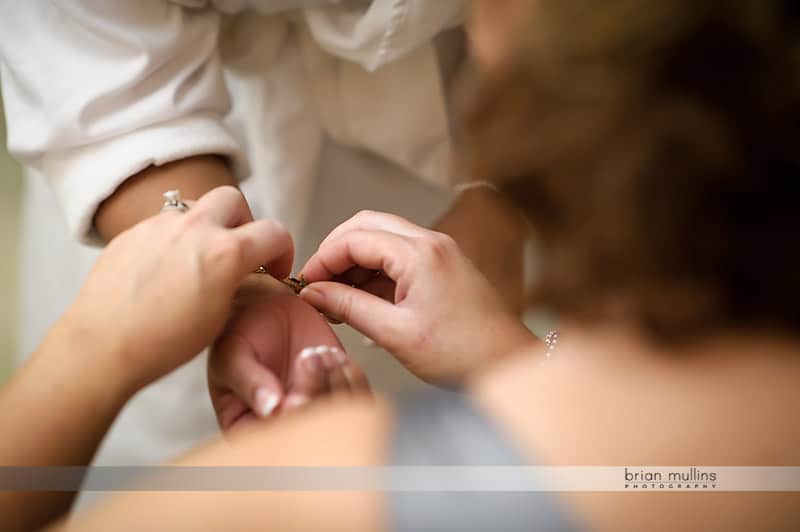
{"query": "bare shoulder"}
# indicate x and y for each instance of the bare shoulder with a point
(606, 405)
(340, 432)
(350, 432)
(507, 380)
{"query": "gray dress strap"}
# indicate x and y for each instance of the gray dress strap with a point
(440, 428)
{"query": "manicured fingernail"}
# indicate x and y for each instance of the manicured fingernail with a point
(338, 355)
(307, 352)
(329, 360)
(312, 364)
(313, 351)
(328, 356)
(266, 401)
(296, 401)
(319, 350)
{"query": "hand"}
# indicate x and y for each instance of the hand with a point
(430, 307)
(162, 290)
(276, 354)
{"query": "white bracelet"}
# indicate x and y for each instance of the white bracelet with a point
(463, 187)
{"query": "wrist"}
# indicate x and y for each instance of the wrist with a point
(140, 196)
(90, 357)
(507, 337)
(514, 338)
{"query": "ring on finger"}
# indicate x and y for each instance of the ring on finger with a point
(173, 202)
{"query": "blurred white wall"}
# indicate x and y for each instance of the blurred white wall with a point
(10, 188)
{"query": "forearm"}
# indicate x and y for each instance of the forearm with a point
(491, 232)
(55, 412)
(140, 196)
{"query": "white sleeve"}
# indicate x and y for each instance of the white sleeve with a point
(97, 90)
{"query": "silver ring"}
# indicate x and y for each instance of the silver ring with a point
(173, 201)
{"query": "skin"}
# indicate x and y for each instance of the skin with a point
(610, 396)
(575, 409)
(159, 294)
(729, 400)
(503, 235)
(243, 345)
(420, 319)
(496, 245)
(274, 322)
(488, 29)
(104, 336)
(139, 197)
(354, 434)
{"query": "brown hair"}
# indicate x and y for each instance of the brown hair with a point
(654, 147)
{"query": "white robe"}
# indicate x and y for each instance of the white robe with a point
(335, 104)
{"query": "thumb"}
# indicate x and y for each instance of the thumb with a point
(234, 366)
(369, 314)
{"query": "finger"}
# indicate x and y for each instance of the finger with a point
(225, 205)
(374, 250)
(308, 376)
(242, 422)
(356, 379)
(234, 366)
(375, 221)
(344, 375)
(380, 286)
(228, 408)
(266, 243)
(368, 314)
(334, 360)
(337, 381)
(356, 276)
(332, 321)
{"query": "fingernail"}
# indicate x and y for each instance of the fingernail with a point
(309, 291)
(329, 360)
(266, 401)
(331, 320)
(327, 356)
(312, 364)
(296, 401)
(313, 351)
(338, 355)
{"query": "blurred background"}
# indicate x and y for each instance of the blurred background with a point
(10, 188)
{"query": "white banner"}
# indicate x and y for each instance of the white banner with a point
(403, 478)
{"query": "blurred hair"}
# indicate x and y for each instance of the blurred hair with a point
(654, 147)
